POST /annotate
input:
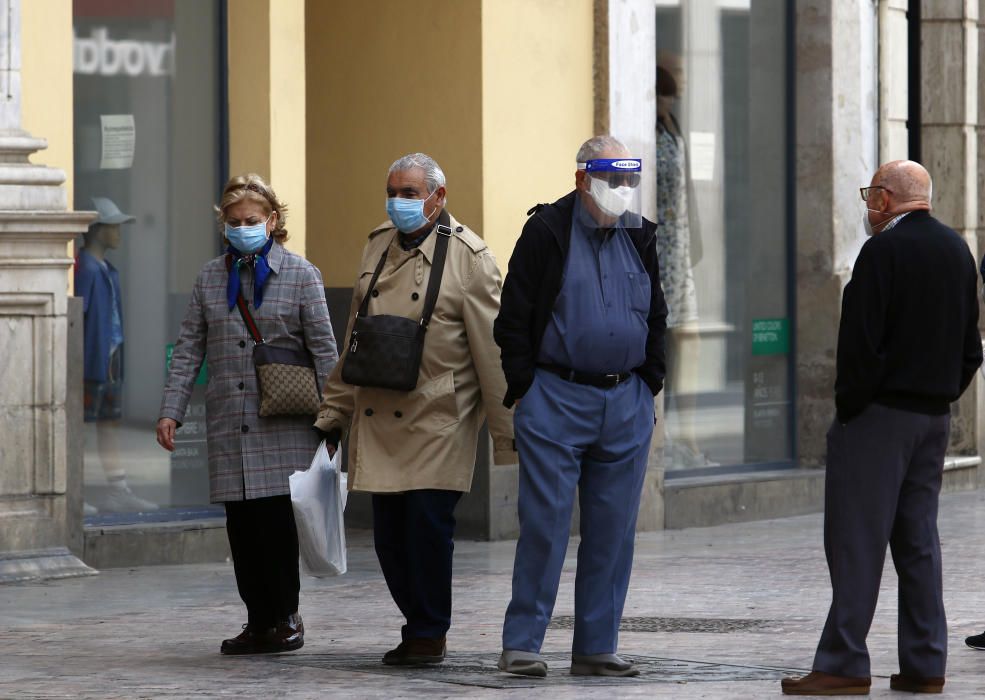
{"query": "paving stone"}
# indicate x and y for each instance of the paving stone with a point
(719, 612)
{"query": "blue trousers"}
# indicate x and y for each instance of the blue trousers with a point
(570, 435)
(413, 533)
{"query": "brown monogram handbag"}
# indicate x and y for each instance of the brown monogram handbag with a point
(287, 381)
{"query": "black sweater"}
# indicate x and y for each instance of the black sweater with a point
(533, 283)
(909, 321)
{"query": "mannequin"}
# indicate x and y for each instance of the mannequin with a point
(678, 249)
(98, 283)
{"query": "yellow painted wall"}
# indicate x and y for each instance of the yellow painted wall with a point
(386, 78)
(537, 108)
(267, 101)
(46, 80)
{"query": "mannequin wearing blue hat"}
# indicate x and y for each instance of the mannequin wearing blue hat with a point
(98, 283)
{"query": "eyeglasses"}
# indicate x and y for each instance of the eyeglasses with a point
(866, 191)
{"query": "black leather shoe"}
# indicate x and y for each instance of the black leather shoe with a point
(250, 641)
(287, 636)
(414, 652)
(976, 641)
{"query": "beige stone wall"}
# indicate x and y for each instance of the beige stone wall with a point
(46, 73)
(267, 101)
(385, 79)
(536, 108)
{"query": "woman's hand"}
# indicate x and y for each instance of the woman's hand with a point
(332, 449)
(165, 433)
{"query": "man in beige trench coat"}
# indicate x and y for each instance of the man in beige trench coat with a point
(415, 451)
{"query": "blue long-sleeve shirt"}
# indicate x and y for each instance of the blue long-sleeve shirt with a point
(599, 321)
(98, 283)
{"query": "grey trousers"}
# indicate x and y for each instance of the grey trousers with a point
(882, 486)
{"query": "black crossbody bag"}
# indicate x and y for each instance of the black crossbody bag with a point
(385, 350)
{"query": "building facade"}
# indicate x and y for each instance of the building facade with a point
(756, 121)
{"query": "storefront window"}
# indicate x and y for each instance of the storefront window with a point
(722, 174)
(148, 133)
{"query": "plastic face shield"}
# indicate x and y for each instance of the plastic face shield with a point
(614, 185)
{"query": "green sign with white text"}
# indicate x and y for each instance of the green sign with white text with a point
(203, 377)
(770, 336)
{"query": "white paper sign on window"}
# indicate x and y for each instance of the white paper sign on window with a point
(702, 155)
(119, 136)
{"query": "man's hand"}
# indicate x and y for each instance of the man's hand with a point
(165, 433)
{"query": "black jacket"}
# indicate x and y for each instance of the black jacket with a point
(533, 283)
(909, 321)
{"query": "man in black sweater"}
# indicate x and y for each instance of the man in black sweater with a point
(908, 346)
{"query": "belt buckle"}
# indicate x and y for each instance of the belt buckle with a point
(614, 378)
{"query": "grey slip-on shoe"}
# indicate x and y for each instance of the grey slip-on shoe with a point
(602, 665)
(522, 663)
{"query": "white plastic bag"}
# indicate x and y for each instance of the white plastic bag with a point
(318, 496)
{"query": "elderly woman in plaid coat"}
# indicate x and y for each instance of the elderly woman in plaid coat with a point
(250, 458)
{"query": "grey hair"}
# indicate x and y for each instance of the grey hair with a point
(596, 145)
(434, 176)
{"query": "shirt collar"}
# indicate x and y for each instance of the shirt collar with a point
(427, 247)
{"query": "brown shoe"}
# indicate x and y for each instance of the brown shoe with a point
(820, 683)
(251, 640)
(414, 652)
(916, 684)
(288, 635)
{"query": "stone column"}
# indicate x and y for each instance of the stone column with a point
(35, 231)
(949, 136)
(835, 130)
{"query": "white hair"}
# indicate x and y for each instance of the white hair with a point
(434, 176)
(597, 145)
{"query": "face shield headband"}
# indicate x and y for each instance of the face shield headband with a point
(614, 185)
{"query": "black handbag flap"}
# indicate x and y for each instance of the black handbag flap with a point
(386, 324)
(267, 354)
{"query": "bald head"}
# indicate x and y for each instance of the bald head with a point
(908, 183)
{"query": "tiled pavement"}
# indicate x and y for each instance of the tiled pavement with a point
(712, 613)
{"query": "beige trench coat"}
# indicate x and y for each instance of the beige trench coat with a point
(426, 438)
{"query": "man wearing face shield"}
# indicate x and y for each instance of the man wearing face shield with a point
(908, 346)
(581, 329)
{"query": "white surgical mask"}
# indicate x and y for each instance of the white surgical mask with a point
(613, 202)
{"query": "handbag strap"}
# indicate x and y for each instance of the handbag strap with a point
(443, 231)
(244, 310)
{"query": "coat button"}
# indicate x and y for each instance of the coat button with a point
(459, 229)
(241, 385)
(376, 292)
(369, 411)
(242, 343)
(398, 414)
(245, 428)
(415, 296)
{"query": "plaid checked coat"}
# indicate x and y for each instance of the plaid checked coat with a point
(250, 457)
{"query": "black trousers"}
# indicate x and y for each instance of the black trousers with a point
(413, 533)
(883, 482)
(264, 543)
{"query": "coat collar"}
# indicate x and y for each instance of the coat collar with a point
(275, 257)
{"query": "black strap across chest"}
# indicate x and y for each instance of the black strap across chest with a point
(443, 231)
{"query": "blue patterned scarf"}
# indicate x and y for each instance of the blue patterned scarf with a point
(261, 270)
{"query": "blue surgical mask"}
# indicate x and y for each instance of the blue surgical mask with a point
(248, 239)
(407, 214)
